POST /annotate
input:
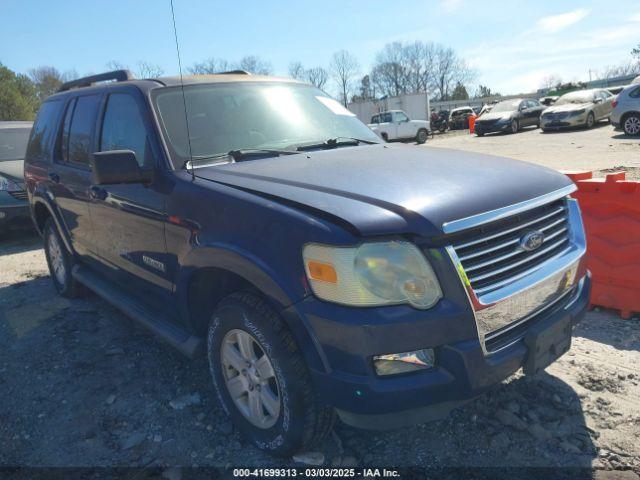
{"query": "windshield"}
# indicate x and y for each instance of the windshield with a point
(575, 97)
(251, 115)
(13, 143)
(506, 106)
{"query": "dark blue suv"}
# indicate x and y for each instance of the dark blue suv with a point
(322, 271)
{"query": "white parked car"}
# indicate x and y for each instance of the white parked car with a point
(396, 125)
(626, 110)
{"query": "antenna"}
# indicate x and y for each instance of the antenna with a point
(184, 101)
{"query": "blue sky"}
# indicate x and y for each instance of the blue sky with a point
(512, 45)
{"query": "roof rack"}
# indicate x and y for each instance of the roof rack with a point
(235, 72)
(116, 75)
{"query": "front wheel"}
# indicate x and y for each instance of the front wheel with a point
(631, 124)
(515, 126)
(261, 378)
(422, 135)
(591, 120)
(442, 128)
(60, 263)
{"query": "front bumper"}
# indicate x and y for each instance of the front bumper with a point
(14, 212)
(557, 123)
(463, 369)
(483, 128)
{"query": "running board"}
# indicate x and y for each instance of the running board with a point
(160, 324)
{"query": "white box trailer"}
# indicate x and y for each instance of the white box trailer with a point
(415, 105)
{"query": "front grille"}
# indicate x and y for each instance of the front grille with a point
(21, 195)
(492, 256)
(556, 116)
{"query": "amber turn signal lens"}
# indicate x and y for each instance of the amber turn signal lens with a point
(322, 271)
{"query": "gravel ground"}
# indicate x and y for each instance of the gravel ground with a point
(577, 149)
(82, 385)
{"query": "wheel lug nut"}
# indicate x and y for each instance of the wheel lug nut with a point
(258, 387)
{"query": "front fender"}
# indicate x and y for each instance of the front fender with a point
(43, 197)
(264, 278)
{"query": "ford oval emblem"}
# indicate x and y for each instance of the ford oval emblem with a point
(532, 240)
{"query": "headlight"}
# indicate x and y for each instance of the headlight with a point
(372, 274)
(577, 112)
(7, 185)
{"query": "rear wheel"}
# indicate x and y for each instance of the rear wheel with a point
(591, 120)
(261, 378)
(60, 263)
(442, 128)
(631, 124)
(421, 136)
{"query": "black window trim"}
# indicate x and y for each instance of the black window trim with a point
(57, 157)
(154, 138)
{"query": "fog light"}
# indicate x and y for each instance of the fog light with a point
(396, 363)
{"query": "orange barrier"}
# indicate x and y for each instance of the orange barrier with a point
(611, 211)
(472, 124)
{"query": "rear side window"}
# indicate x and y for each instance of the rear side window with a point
(79, 119)
(43, 131)
(13, 143)
(123, 127)
(635, 93)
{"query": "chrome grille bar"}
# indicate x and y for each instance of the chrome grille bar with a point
(492, 256)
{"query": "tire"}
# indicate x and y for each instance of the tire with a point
(515, 126)
(591, 121)
(60, 263)
(631, 124)
(442, 128)
(289, 417)
(480, 134)
(422, 136)
(385, 137)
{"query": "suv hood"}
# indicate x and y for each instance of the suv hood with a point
(382, 189)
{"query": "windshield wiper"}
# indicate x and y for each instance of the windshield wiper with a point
(236, 156)
(335, 142)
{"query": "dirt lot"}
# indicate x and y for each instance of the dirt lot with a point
(578, 149)
(82, 385)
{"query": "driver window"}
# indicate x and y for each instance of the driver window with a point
(123, 127)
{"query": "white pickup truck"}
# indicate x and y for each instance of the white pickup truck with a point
(395, 125)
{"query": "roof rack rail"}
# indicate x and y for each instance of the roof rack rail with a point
(117, 75)
(235, 72)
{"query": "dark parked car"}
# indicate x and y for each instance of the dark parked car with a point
(319, 270)
(14, 208)
(510, 116)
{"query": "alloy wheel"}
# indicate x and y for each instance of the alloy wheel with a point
(56, 257)
(632, 125)
(250, 378)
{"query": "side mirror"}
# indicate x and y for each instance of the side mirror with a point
(598, 100)
(118, 166)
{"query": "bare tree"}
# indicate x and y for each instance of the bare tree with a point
(344, 66)
(48, 80)
(209, 66)
(297, 71)
(149, 70)
(317, 77)
(116, 65)
(550, 81)
(253, 64)
(449, 70)
(390, 72)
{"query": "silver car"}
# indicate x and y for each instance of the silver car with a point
(583, 108)
(626, 111)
